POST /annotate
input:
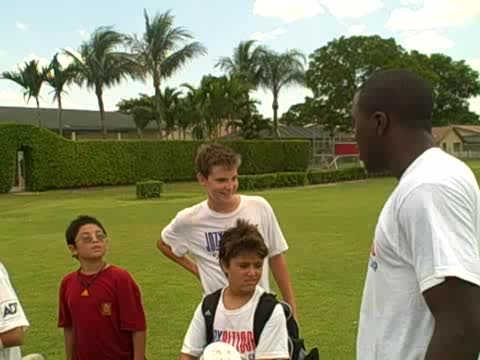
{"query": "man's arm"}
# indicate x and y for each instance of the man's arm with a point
(187, 357)
(455, 305)
(278, 264)
(69, 344)
(139, 343)
(12, 337)
(183, 261)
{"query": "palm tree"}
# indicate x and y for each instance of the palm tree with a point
(244, 64)
(278, 71)
(100, 65)
(160, 52)
(142, 110)
(58, 77)
(31, 78)
(169, 100)
(193, 112)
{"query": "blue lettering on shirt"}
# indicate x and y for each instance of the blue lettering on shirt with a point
(212, 240)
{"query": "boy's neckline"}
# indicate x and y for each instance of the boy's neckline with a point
(217, 213)
(89, 272)
(247, 300)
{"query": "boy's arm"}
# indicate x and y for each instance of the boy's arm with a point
(183, 261)
(13, 337)
(278, 264)
(69, 343)
(139, 343)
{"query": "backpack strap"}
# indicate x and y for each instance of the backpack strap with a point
(209, 308)
(264, 310)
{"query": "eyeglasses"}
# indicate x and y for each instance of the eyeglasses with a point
(88, 238)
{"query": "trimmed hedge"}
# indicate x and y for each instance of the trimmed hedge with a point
(348, 174)
(149, 189)
(267, 181)
(53, 162)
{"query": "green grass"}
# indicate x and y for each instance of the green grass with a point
(329, 230)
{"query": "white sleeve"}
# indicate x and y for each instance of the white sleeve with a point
(275, 240)
(196, 338)
(11, 312)
(174, 236)
(273, 342)
(439, 235)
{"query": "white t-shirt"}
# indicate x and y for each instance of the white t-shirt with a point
(197, 230)
(235, 327)
(11, 314)
(428, 230)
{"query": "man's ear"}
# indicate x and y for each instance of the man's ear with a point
(381, 121)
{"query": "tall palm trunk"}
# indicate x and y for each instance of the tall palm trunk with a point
(102, 111)
(158, 98)
(60, 110)
(276, 133)
(39, 121)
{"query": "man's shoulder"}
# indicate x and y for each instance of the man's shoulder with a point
(444, 173)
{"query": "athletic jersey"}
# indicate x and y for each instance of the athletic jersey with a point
(102, 315)
(197, 231)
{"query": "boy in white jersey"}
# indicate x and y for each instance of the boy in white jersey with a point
(422, 292)
(197, 230)
(12, 321)
(241, 254)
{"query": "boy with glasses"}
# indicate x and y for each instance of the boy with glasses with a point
(100, 306)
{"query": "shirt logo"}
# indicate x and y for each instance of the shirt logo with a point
(8, 309)
(212, 242)
(106, 308)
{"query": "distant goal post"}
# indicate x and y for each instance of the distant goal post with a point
(343, 149)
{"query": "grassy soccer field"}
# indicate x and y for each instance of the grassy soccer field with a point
(329, 230)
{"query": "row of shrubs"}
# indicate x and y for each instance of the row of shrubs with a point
(151, 188)
(53, 162)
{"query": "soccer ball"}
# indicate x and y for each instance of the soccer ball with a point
(220, 351)
(33, 357)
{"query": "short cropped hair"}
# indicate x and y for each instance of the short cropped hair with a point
(210, 155)
(242, 238)
(74, 227)
(397, 92)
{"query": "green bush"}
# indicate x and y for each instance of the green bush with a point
(348, 174)
(53, 162)
(149, 189)
(287, 179)
(268, 181)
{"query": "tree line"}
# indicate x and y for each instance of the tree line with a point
(335, 71)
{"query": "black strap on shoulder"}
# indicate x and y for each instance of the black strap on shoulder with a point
(264, 310)
(209, 307)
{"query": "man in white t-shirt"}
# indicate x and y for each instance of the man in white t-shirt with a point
(197, 230)
(12, 320)
(421, 298)
(241, 252)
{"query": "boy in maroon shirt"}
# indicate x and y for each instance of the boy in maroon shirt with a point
(100, 306)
